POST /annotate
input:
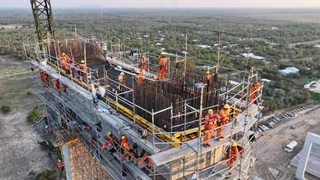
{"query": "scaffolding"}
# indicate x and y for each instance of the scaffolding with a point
(87, 108)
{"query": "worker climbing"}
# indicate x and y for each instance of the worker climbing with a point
(162, 66)
(125, 149)
(143, 64)
(208, 81)
(231, 154)
(44, 78)
(82, 69)
(224, 114)
(145, 156)
(254, 90)
(209, 126)
(56, 84)
(111, 141)
(138, 78)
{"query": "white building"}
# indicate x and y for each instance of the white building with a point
(251, 55)
(289, 70)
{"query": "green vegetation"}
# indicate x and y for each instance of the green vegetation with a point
(47, 174)
(5, 109)
(33, 115)
(315, 96)
(283, 41)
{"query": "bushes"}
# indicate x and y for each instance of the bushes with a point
(33, 114)
(5, 109)
(47, 174)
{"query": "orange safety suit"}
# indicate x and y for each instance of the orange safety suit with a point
(83, 70)
(125, 149)
(224, 117)
(209, 125)
(232, 155)
(109, 142)
(143, 65)
(255, 88)
(139, 79)
(209, 82)
(145, 157)
(56, 84)
(162, 68)
(45, 79)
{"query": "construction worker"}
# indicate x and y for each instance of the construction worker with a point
(233, 153)
(65, 60)
(45, 79)
(57, 85)
(209, 125)
(145, 156)
(109, 142)
(162, 66)
(143, 64)
(208, 81)
(224, 114)
(255, 88)
(83, 70)
(139, 78)
(105, 48)
(125, 149)
(122, 82)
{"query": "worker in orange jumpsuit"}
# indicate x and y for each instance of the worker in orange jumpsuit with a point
(45, 79)
(83, 70)
(57, 85)
(125, 149)
(65, 62)
(255, 88)
(224, 114)
(139, 78)
(209, 125)
(233, 153)
(145, 157)
(143, 64)
(162, 66)
(208, 81)
(110, 139)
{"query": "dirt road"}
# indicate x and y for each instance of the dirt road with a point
(270, 147)
(21, 157)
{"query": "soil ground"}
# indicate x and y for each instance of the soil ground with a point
(270, 147)
(21, 157)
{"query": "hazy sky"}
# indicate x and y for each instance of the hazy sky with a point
(169, 3)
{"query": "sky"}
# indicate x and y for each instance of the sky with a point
(169, 3)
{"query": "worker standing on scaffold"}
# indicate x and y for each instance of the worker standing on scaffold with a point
(209, 125)
(162, 66)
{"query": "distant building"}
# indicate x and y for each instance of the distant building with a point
(266, 80)
(251, 55)
(204, 46)
(308, 86)
(274, 28)
(289, 70)
(145, 36)
(158, 44)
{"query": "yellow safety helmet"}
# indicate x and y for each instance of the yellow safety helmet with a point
(208, 72)
(123, 137)
(163, 53)
(138, 72)
(226, 106)
(122, 74)
(82, 61)
(210, 111)
(109, 133)
(63, 54)
(234, 144)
